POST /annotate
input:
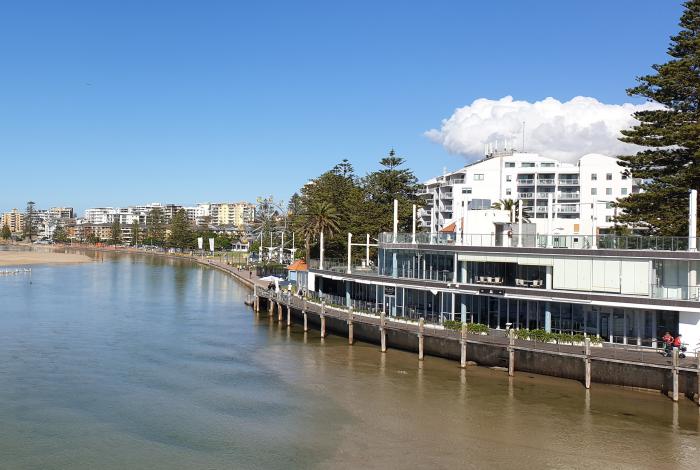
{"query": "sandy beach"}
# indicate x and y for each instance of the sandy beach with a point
(23, 258)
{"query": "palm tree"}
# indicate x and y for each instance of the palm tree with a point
(512, 207)
(320, 218)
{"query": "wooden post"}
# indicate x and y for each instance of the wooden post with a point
(270, 305)
(511, 352)
(351, 339)
(382, 331)
(675, 374)
(323, 326)
(698, 377)
(289, 315)
(587, 361)
(421, 328)
(280, 308)
(463, 346)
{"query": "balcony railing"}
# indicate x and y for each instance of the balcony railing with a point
(446, 195)
(526, 181)
(606, 242)
(675, 292)
(546, 181)
(569, 196)
(568, 182)
(568, 209)
(526, 195)
(544, 195)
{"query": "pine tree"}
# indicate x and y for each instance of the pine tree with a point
(135, 232)
(669, 166)
(155, 227)
(29, 222)
(116, 232)
(180, 231)
(6, 232)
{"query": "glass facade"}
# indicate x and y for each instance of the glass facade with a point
(618, 325)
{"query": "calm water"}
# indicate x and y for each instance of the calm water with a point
(137, 362)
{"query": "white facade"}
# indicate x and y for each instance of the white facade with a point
(581, 193)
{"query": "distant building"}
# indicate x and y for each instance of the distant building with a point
(15, 220)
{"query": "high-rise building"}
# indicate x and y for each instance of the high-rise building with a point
(15, 220)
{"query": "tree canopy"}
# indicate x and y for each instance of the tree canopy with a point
(340, 202)
(669, 163)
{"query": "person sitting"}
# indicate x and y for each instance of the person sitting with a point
(668, 343)
(678, 343)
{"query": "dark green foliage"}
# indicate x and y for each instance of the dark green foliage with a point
(155, 227)
(116, 232)
(181, 234)
(340, 202)
(6, 232)
(60, 235)
(669, 164)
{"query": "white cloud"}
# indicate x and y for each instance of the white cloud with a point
(565, 131)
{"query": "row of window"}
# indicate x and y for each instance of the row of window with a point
(608, 191)
(530, 165)
(594, 177)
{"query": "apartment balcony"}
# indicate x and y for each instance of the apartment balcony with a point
(569, 196)
(568, 182)
(457, 181)
(526, 181)
(447, 195)
(526, 195)
(446, 209)
(545, 181)
(544, 195)
(573, 209)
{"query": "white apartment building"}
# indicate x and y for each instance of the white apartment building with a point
(582, 193)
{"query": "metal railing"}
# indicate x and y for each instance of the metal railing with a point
(569, 196)
(546, 181)
(568, 182)
(526, 181)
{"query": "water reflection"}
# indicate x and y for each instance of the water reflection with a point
(153, 363)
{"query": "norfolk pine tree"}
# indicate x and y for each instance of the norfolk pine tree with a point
(669, 166)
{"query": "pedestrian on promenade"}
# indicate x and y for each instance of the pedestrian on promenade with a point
(668, 343)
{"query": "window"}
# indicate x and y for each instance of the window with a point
(594, 177)
(527, 164)
(546, 164)
(478, 177)
(510, 164)
(608, 218)
(608, 191)
(594, 191)
(508, 192)
(509, 178)
(623, 191)
(466, 190)
(608, 177)
(609, 205)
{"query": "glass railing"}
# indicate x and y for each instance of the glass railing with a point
(606, 242)
(675, 292)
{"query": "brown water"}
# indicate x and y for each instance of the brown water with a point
(138, 362)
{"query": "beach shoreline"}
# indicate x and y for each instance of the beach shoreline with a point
(36, 257)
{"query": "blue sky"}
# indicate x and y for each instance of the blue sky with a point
(115, 103)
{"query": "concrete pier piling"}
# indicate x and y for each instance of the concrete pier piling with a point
(351, 338)
(511, 352)
(270, 306)
(323, 326)
(463, 347)
(382, 331)
(306, 321)
(289, 316)
(421, 327)
(587, 362)
(280, 307)
(674, 372)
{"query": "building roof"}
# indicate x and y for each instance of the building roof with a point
(298, 265)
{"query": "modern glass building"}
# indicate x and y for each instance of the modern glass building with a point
(626, 290)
